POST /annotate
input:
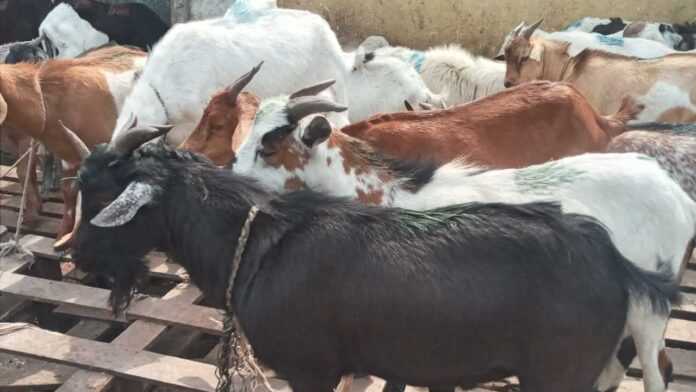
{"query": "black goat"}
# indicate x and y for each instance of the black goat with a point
(688, 33)
(127, 24)
(26, 52)
(453, 296)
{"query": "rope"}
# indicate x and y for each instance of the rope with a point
(233, 339)
(12, 246)
(15, 164)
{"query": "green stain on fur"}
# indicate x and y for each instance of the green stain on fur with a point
(544, 179)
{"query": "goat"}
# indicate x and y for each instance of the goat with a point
(85, 94)
(556, 277)
(578, 41)
(66, 35)
(674, 148)
(291, 155)
(666, 87)
(452, 71)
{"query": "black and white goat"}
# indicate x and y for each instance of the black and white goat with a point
(452, 296)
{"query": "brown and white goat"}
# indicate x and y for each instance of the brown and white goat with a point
(666, 86)
(85, 94)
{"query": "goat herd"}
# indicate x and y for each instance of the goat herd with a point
(524, 233)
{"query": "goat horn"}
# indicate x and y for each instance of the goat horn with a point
(130, 123)
(527, 33)
(242, 82)
(313, 90)
(426, 106)
(408, 105)
(299, 108)
(80, 146)
(516, 30)
(125, 143)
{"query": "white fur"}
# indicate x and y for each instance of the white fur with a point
(382, 84)
(587, 24)
(665, 95)
(647, 227)
(70, 34)
(651, 30)
(194, 60)
(455, 73)
(121, 84)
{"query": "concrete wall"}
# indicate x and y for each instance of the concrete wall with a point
(479, 25)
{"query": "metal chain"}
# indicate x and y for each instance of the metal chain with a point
(236, 353)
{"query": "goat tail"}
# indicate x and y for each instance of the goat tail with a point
(628, 111)
(659, 288)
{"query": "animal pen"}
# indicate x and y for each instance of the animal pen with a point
(58, 333)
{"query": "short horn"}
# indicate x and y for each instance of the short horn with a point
(527, 33)
(313, 90)
(516, 31)
(299, 108)
(236, 88)
(80, 146)
(408, 105)
(131, 122)
(127, 142)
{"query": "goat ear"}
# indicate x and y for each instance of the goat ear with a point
(126, 206)
(248, 104)
(318, 130)
(3, 109)
(537, 52)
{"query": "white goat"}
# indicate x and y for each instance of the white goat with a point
(654, 230)
(66, 35)
(452, 71)
(580, 40)
(298, 48)
(673, 35)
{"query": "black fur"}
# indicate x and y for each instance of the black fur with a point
(614, 26)
(25, 53)
(627, 352)
(453, 296)
(688, 34)
(142, 27)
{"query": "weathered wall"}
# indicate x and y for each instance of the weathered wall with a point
(479, 25)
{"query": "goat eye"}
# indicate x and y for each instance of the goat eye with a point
(264, 153)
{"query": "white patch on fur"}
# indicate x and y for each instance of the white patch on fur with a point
(537, 52)
(635, 47)
(664, 95)
(121, 84)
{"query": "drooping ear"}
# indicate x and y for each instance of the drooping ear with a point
(247, 105)
(126, 206)
(3, 109)
(318, 130)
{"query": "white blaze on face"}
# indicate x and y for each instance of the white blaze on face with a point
(69, 34)
(270, 116)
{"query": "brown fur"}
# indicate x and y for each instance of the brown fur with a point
(634, 29)
(518, 127)
(73, 91)
(604, 78)
(224, 126)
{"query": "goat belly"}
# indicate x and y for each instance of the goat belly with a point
(500, 290)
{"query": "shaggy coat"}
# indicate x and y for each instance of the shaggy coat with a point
(471, 270)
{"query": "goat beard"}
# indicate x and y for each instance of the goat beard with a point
(126, 281)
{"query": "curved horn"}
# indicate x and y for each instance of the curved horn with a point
(527, 33)
(299, 108)
(130, 123)
(516, 30)
(408, 106)
(80, 146)
(313, 90)
(125, 143)
(239, 85)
